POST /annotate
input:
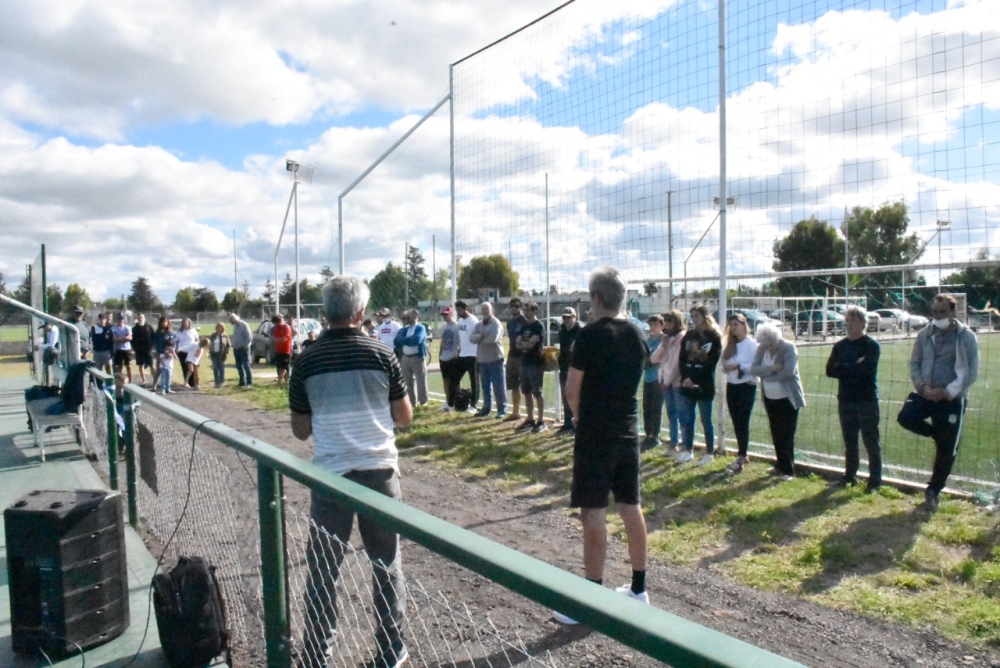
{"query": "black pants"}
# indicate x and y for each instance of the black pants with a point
(652, 408)
(783, 419)
(467, 365)
(945, 427)
(449, 378)
(740, 398)
(567, 411)
(863, 417)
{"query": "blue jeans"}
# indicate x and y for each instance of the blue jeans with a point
(166, 375)
(671, 398)
(687, 405)
(243, 365)
(219, 368)
(492, 377)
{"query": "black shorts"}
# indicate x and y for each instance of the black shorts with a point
(604, 463)
(282, 361)
(532, 378)
(512, 373)
(122, 358)
(450, 369)
(143, 358)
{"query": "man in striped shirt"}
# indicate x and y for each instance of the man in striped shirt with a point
(348, 393)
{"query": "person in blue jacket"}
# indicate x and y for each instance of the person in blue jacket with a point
(411, 341)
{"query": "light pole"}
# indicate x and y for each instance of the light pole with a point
(670, 250)
(941, 225)
(299, 174)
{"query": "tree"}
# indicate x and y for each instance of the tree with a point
(649, 289)
(487, 271)
(205, 300)
(878, 238)
(325, 274)
(981, 284)
(812, 244)
(53, 294)
(3, 285)
(23, 292)
(233, 300)
(142, 299)
(268, 294)
(76, 296)
(184, 301)
(245, 288)
(420, 286)
(388, 288)
(287, 292)
(440, 288)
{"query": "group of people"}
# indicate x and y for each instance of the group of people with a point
(681, 374)
(114, 347)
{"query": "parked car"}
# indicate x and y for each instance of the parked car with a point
(782, 314)
(754, 318)
(263, 348)
(894, 318)
(874, 319)
(811, 322)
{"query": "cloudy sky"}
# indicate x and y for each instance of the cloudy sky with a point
(139, 138)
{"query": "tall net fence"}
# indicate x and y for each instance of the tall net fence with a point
(862, 150)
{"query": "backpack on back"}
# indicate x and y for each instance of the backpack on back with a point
(191, 614)
(463, 399)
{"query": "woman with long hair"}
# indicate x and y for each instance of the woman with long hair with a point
(667, 357)
(185, 343)
(699, 355)
(738, 351)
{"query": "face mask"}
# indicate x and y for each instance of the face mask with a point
(386, 321)
(942, 323)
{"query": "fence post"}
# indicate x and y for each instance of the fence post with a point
(128, 407)
(109, 409)
(270, 505)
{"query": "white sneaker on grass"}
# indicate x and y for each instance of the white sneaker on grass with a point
(707, 459)
(626, 589)
(685, 457)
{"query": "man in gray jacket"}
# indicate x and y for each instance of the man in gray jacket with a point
(489, 356)
(241, 339)
(943, 366)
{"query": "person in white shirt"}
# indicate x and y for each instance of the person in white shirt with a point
(387, 328)
(466, 362)
(741, 386)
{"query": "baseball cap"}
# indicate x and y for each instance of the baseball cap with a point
(77, 309)
(569, 312)
(382, 311)
(121, 316)
(446, 310)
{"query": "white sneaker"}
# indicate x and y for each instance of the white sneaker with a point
(707, 459)
(626, 589)
(684, 457)
(563, 619)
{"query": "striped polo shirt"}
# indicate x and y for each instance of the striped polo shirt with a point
(346, 382)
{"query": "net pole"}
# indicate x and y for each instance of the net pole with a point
(548, 278)
(721, 441)
(451, 150)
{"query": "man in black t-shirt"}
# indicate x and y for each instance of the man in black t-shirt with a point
(529, 343)
(608, 359)
(513, 369)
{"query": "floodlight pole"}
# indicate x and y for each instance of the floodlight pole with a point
(670, 250)
(722, 202)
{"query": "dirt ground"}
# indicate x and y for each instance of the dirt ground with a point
(544, 528)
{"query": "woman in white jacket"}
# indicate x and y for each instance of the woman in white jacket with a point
(738, 351)
(776, 363)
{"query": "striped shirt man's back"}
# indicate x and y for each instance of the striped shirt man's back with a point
(346, 381)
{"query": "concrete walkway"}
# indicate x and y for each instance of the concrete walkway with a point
(65, 468)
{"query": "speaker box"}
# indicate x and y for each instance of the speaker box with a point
(67, 570)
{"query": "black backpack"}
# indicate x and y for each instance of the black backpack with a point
(191, 614)
(463, 399)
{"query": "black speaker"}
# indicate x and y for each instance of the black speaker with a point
(67, 570)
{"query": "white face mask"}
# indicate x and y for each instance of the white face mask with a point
(942, 323)
(386, 321)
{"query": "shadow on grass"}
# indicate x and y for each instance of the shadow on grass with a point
(866, 547)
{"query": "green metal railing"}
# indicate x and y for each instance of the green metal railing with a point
(659, 634)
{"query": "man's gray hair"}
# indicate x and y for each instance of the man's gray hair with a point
(858, 312)
(343, 297)
(607, 283)
(768, 334)
(233, 318)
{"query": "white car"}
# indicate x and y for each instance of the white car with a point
(894, 318)
(263, 348)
